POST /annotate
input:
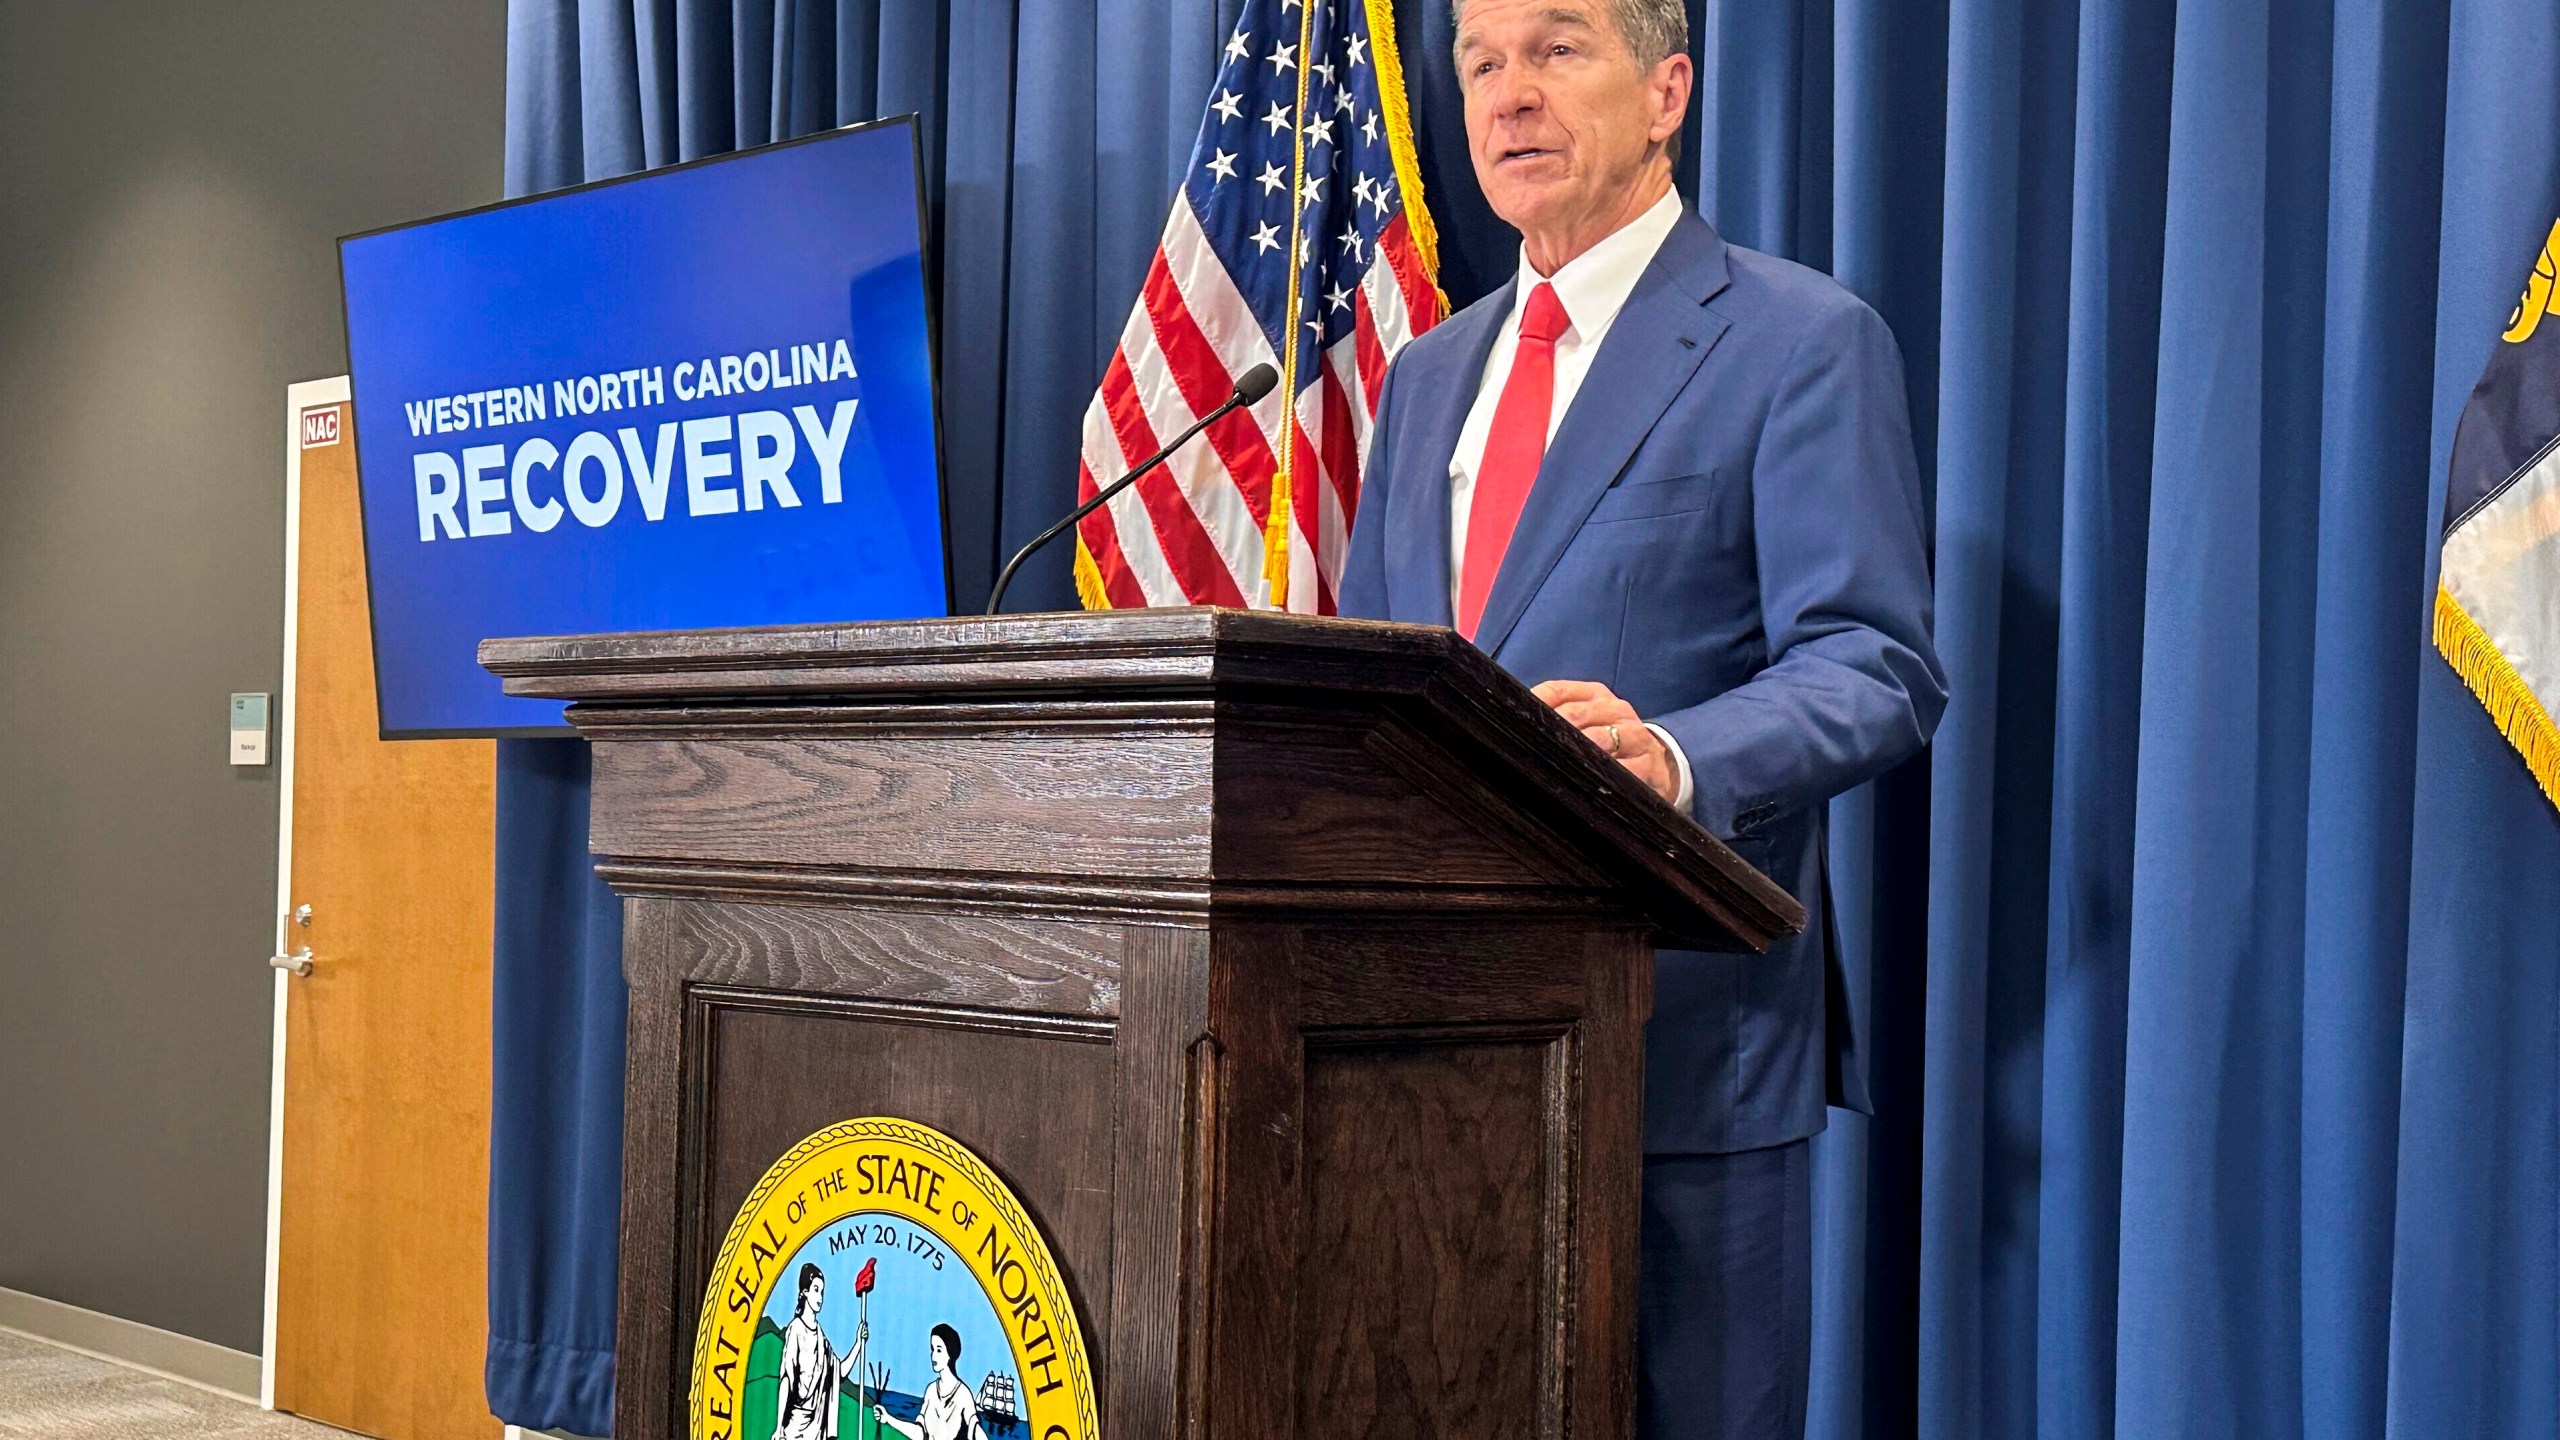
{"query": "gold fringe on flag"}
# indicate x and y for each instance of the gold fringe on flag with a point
(2513, 707)
(1391, 97)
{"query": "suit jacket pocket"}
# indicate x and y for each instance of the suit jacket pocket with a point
(1652, 499)
(1756, 850)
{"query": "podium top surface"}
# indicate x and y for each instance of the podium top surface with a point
(1073, 650)
(1599, 829)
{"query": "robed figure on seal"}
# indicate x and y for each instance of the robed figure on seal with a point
(810, 1384)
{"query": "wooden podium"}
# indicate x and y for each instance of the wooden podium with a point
(1292, 971)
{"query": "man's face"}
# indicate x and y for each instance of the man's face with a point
(1559, 116)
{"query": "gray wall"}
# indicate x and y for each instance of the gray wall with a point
(173, 177)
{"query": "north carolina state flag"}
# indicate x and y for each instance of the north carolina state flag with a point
(2498, 599)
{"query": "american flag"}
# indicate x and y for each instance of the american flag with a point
(1306, 150)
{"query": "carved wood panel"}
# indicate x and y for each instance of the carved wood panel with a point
(1428, 1303)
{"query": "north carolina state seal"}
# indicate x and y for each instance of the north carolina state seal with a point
(871, 1272)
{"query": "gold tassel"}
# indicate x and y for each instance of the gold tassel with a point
(2513, 707)
(1089, 587)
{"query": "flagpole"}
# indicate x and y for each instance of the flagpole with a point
(1275, 537)
(862, 1387)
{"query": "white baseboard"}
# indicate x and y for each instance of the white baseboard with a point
(130, 1342)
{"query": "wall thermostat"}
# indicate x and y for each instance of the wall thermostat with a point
(248, 729)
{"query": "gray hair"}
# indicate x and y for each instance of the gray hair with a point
(1655, 30)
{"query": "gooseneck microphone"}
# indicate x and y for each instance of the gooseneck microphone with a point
(1255, 384)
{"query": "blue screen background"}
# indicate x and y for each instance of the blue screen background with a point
(807, 243)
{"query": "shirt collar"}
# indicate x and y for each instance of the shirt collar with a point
(1595, 284)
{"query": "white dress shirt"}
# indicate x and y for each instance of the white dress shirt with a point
(1593, 287)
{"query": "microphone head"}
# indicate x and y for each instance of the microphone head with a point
(1255, 384)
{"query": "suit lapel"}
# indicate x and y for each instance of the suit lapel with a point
(1653, 347)
(1438, 427)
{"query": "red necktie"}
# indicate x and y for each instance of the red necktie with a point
(1512, 450)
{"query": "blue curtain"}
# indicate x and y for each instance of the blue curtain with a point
(555, 1122)
(2212, 957)
(2212, 949)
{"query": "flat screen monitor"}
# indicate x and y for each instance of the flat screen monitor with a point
(692, 398)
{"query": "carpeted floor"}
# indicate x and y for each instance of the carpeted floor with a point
(52, 1394)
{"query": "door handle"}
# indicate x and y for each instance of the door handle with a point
(299, 962)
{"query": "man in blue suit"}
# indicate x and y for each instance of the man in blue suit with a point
(1670, 482)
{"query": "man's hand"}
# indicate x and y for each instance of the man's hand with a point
(1613, 725)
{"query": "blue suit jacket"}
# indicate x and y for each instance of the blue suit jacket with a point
(1727, 531)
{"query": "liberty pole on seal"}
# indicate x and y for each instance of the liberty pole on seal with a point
(862, 1284)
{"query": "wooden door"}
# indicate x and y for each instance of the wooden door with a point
(381, 1312)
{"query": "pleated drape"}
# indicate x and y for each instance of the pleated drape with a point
(2230, 946)
(2211, 958)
